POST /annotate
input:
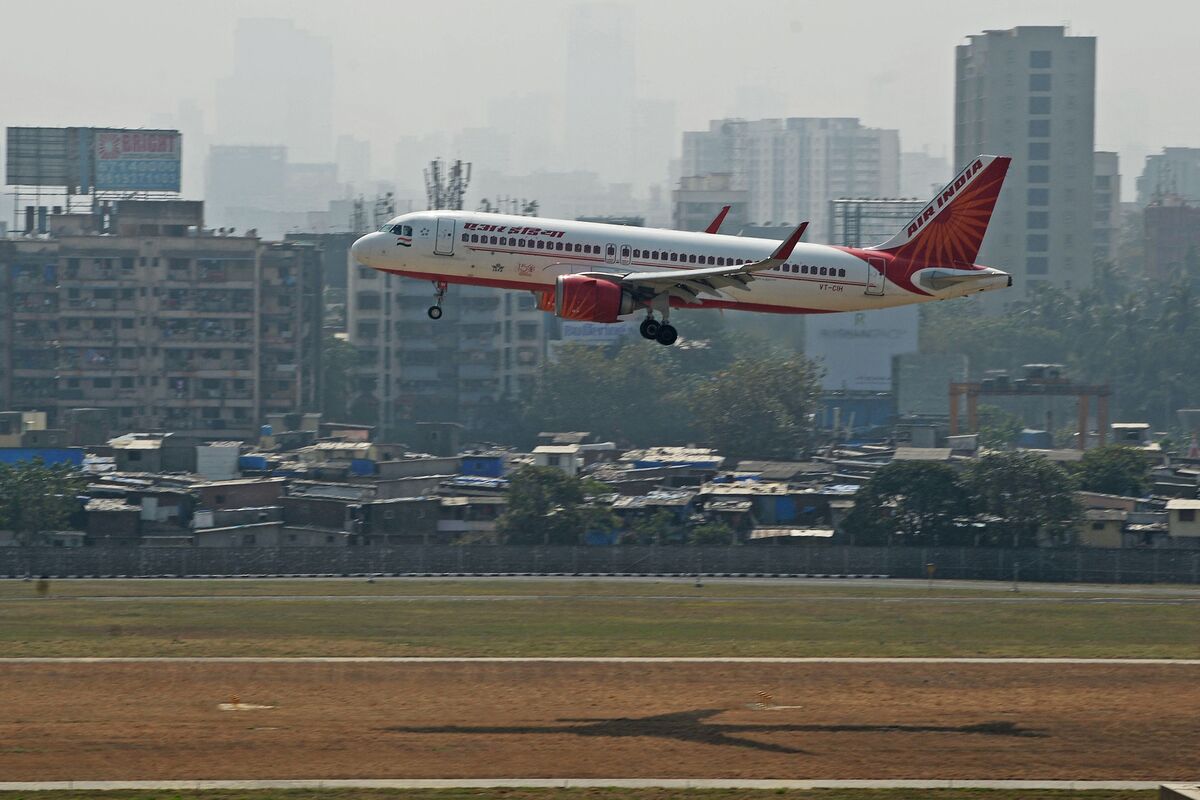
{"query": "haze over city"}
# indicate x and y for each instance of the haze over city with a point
(409, 70)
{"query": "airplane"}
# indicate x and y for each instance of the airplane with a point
(595, 272)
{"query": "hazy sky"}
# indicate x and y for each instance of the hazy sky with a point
(414, 68)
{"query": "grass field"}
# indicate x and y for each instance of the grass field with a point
(589, 794)
(583, 618)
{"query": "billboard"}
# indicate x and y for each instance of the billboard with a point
(136, 160)
(598, 332)
(38, 157)
(82, 159)
(856, 347)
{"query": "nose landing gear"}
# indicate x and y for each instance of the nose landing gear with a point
(435, 310)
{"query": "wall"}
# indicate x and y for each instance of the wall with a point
(1068, 565)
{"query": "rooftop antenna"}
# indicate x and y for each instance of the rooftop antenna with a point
(445, 186)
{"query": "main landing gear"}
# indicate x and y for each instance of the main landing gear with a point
(661, 332)
(435, 310)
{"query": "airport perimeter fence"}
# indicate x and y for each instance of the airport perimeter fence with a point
(1065, 565)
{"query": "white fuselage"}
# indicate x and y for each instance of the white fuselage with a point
(529, 253)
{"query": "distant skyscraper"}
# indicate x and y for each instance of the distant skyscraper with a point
(242, 178)
(354, 162)
(1106, 205)
(1029, 93)
(792, 168)
(600, 81)
(922, 174)
(1175, 172)
(280, 90)
(655, 137)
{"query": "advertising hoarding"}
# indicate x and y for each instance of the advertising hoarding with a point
(37, 157)
(855, 348)
(136, 160)
(82, 159)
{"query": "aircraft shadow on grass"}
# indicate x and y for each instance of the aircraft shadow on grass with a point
(694, 727)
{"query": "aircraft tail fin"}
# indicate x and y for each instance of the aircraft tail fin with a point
(949, 230)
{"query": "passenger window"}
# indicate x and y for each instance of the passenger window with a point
(691, 259)
(824, 271)
(493, 241)
(612, 251)
(720, 261)
(558, 245)
(578, 248)
(541, 245)
(841, 273)
(712, 260)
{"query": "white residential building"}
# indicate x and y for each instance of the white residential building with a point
(1029, 93)
(791, 168)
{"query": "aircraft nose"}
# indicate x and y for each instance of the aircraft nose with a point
(359, 249)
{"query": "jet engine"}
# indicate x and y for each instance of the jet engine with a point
(587, 299)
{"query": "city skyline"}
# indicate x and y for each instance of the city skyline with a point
(754, 63)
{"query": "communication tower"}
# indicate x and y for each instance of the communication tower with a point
(445, 185)
(385, 208)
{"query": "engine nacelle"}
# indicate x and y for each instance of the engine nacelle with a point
(587, 299)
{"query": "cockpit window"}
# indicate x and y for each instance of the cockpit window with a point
(398, 230)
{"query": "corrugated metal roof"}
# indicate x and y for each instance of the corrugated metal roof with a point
(1181, 503)
(922, 454)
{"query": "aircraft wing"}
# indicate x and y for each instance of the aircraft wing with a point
(689, 284)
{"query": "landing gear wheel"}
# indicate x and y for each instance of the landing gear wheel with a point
(666, 334)
(434, 312)
(649, 328)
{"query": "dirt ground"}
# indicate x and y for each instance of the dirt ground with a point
(162, 721)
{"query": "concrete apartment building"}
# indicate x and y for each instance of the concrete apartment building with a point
(1029, 92)
(791, 168)
(1171, 228)
(1173, 172)
(699, 198)
(1106, 205)
(485, 351)
(159, 321)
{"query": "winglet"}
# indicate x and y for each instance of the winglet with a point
(784, 250)
(715, 225)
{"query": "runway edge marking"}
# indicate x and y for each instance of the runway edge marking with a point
(570, 783)
(1190, 662)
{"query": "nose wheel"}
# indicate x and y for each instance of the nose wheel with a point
(435, 310)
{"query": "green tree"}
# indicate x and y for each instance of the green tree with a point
(660, 527)
(547, 506)
(1028, 495)
(909, 502)
(711, 534)
(1114, 469)
(998, 429)
(36, 498)
(760, 406)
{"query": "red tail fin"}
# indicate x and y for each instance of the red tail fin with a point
(950, 229)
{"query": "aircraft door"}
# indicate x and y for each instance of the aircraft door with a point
(610, 253)
(876, 275)
(625, 254)
(444, 245)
